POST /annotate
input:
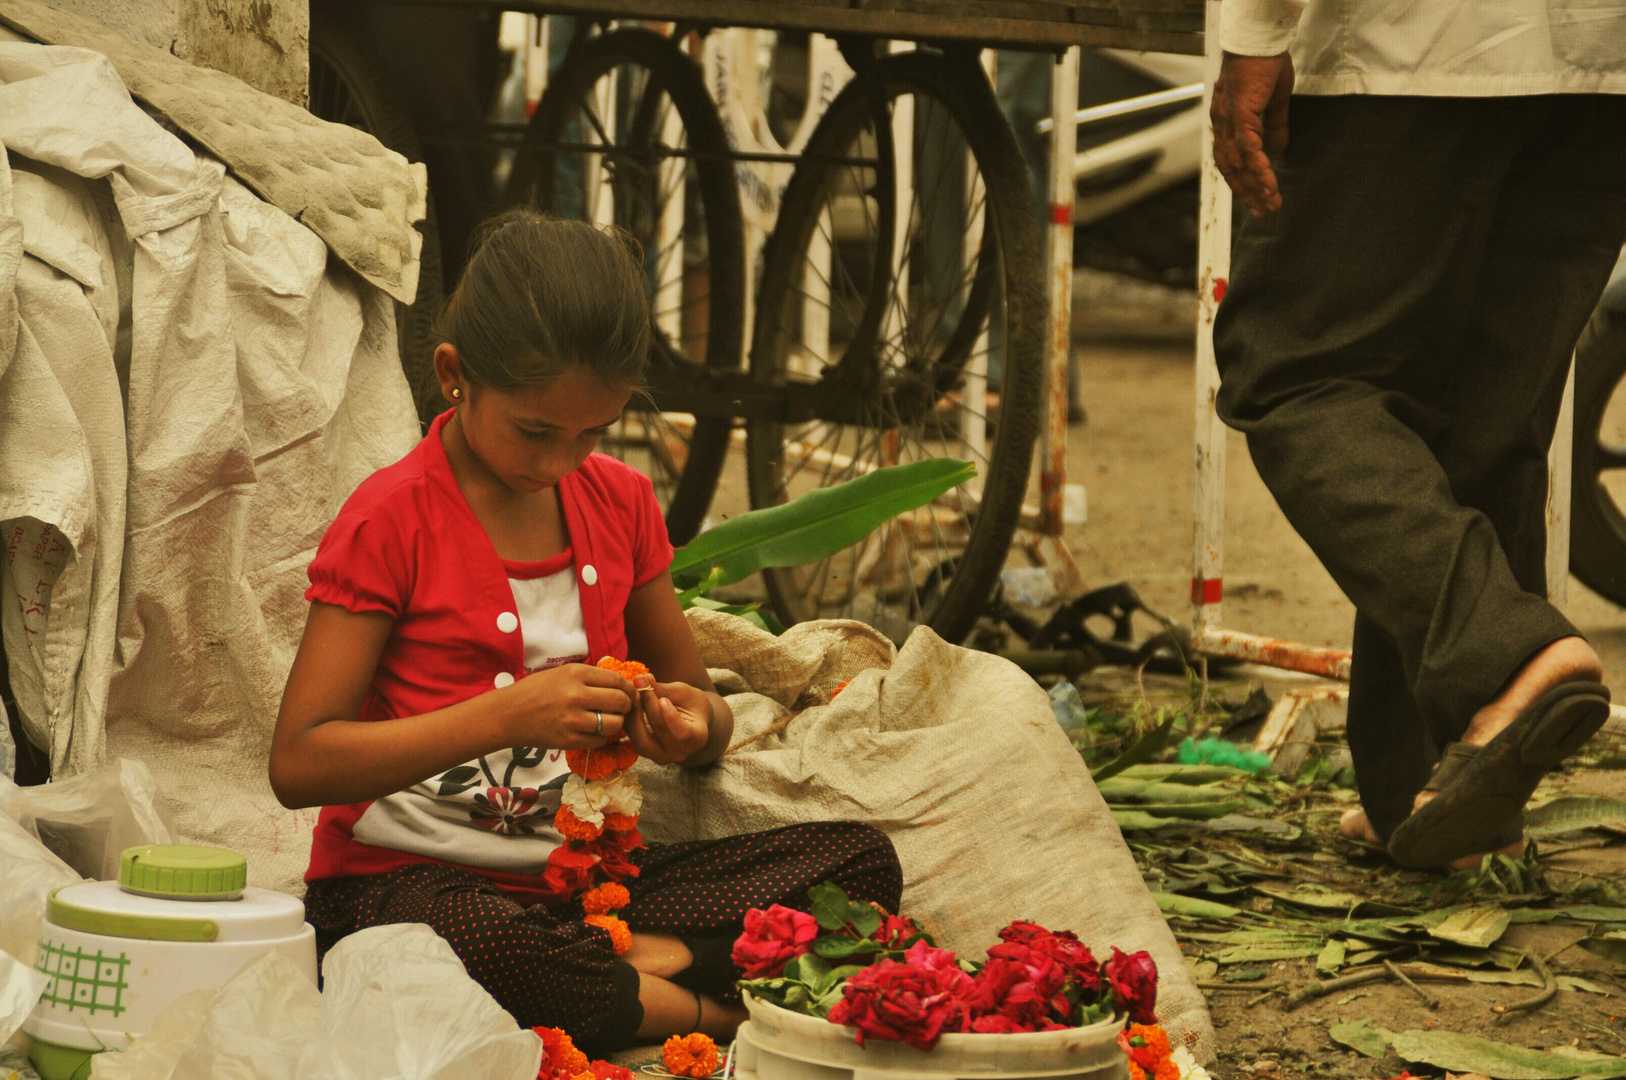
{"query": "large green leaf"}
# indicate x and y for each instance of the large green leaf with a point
(1573, 813)
(1476, 927)
(816, 525)
(1469, 1054)
(1362, 1037)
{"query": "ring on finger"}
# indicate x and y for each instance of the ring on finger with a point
(599, 729)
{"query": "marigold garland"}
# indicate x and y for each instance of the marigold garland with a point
(602, 762)
(605, 898)
(572, 827)
(620, 933)
(692, 1055)
(561, 1060)
(598, 830)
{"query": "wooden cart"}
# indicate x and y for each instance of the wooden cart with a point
(901, 306)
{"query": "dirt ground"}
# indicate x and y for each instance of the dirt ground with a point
(1134, 456)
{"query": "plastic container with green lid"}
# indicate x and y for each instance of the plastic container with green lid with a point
(118, 952)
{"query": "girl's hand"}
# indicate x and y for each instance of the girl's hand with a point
(672, 722)
(560, 708)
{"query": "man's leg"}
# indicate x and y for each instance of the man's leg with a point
(1336, 342)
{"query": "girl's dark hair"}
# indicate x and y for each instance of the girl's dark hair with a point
(540, 294)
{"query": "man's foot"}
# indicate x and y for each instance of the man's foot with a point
(1355, 825)
(1500, 780)
(1568, 659)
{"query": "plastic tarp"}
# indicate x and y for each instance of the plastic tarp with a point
(189, 388)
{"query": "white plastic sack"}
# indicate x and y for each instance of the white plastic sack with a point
(398, 1005)
(957, 756)
(189, 388)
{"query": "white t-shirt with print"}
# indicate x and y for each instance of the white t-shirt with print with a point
(497, 811)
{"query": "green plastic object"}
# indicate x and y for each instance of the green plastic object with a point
(1220, 752)
(56, 1062)
(183, 872)
(71, 916)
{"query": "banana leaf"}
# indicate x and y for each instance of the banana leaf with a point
(813, 526)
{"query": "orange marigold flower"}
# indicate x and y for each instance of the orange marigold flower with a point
(606, 898)
(1153, 1037)
(620, 823)
(631, 669)
(620, 933)
(603, 761)
(690, 1055)
(839, 688)
(572, 827)
(585, 1074)
(1147, 1047)
(560, 1057)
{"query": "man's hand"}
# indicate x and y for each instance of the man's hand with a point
(1249, 112)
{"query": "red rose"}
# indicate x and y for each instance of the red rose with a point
(895, 931)
(912, 1002)
(1133, 978)
(606, 1071)
(1082, 969)
(772, 939)
(1025, 989)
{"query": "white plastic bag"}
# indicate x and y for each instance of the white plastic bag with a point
(87, 820)
(398, 1006)
(54, 835)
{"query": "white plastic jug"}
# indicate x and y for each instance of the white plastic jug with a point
(118, 952)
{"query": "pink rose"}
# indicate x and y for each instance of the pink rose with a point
(772, 939)
(912, 1002)
(1133, 978)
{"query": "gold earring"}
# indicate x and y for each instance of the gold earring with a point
(457, 392)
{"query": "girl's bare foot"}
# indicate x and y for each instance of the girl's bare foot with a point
(1355, 825)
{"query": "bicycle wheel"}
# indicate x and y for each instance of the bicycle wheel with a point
(902, 296)
(346, 88)
(625, 134)
(1598, 487)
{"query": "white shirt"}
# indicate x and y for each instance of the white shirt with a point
(497, 811)
(1468, 48)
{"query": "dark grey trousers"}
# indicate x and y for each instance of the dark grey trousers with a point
(1394, 343)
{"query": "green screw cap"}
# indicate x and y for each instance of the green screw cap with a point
(182, 872)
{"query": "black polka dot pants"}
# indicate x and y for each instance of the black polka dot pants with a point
(547, 967)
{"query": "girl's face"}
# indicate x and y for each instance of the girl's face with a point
(532, 437)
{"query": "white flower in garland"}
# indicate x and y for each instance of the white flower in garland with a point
(590, 800)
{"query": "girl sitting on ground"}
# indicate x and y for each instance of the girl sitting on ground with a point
(458, 602)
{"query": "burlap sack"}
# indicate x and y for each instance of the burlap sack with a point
(957, 756)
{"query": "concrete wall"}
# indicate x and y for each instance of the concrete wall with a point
(266, 43)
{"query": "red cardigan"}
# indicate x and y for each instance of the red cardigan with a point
(407, 544)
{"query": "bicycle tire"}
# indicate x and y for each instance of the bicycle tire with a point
(1597, 525)
(957, 84)
(338, 64)
(681, 78)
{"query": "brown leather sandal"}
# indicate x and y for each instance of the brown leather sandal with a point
(1483, 789)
